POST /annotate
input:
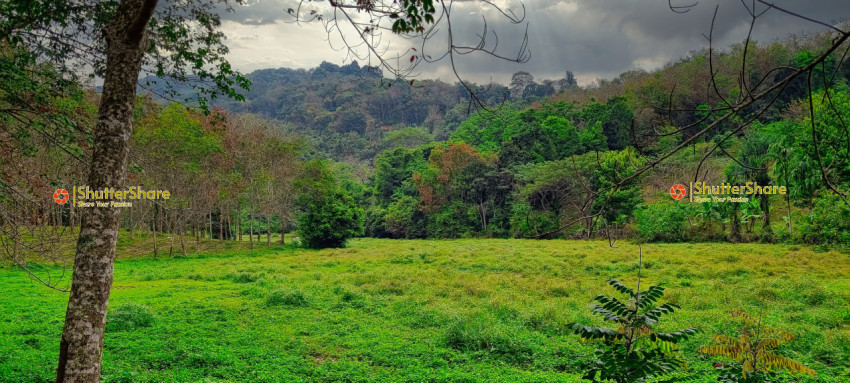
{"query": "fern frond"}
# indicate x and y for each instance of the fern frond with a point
(784, 336)
(727, 340)
(587, 333)
(747, 367)
(675, 337)
(651, 316)
(664, 346)
(648, 297)
(744, 341)
(746, 317)
(771, 360)
(767, 343)
(606, 314)
(613, 305)
(732, 352)
(623, 289)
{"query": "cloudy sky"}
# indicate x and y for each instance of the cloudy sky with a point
(592, 38)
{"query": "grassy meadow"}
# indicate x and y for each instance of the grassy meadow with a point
(421, 310)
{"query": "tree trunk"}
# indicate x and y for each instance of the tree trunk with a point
(788, 201)
(16, 241)
(55, 215)
(790, 223)
(132, 227)
(251, 233)
(282, 231)
(81, 346)
(239, 223)
(155, 215)
(182, 234)
(220, 225)
(230, 227)
(766, 230)
(482, 213)
(71, 217)
(734, 225)
(268, 231)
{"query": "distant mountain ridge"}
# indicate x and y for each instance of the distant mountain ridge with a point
(345, 109)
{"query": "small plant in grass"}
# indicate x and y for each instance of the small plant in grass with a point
(632, 351)
(286, 297)
(244, 277)
(753, 353)
(129, 316)
(352, 299)
(487, 334)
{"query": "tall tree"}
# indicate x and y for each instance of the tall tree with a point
(114, 38)
(81, 347)
(519, 81)
(756, 158)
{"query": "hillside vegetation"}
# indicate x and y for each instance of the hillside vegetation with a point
(402, 160)
(352, 113)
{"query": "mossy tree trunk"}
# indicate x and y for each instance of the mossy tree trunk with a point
(81, 346)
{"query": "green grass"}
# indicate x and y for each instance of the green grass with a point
(393, 310)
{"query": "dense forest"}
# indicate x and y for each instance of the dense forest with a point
(352, 113)
(422, 160)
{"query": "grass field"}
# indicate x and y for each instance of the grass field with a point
(393, 310)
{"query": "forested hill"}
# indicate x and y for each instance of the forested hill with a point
(349, 109)
(352, 112)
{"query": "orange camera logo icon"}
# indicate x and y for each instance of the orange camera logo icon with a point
(678, 191)
(61, 196)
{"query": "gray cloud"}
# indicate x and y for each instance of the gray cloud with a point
(592, 38)
(258, 12)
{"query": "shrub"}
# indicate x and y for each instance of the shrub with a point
(454, 220)
(829, 222)
(526, 221)
(330, 220)
(287, 297)
(374, 223)
(404, 220)
(664, 222)
(753, 353)
(128, 317)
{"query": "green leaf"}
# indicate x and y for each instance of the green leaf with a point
(621, 287)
